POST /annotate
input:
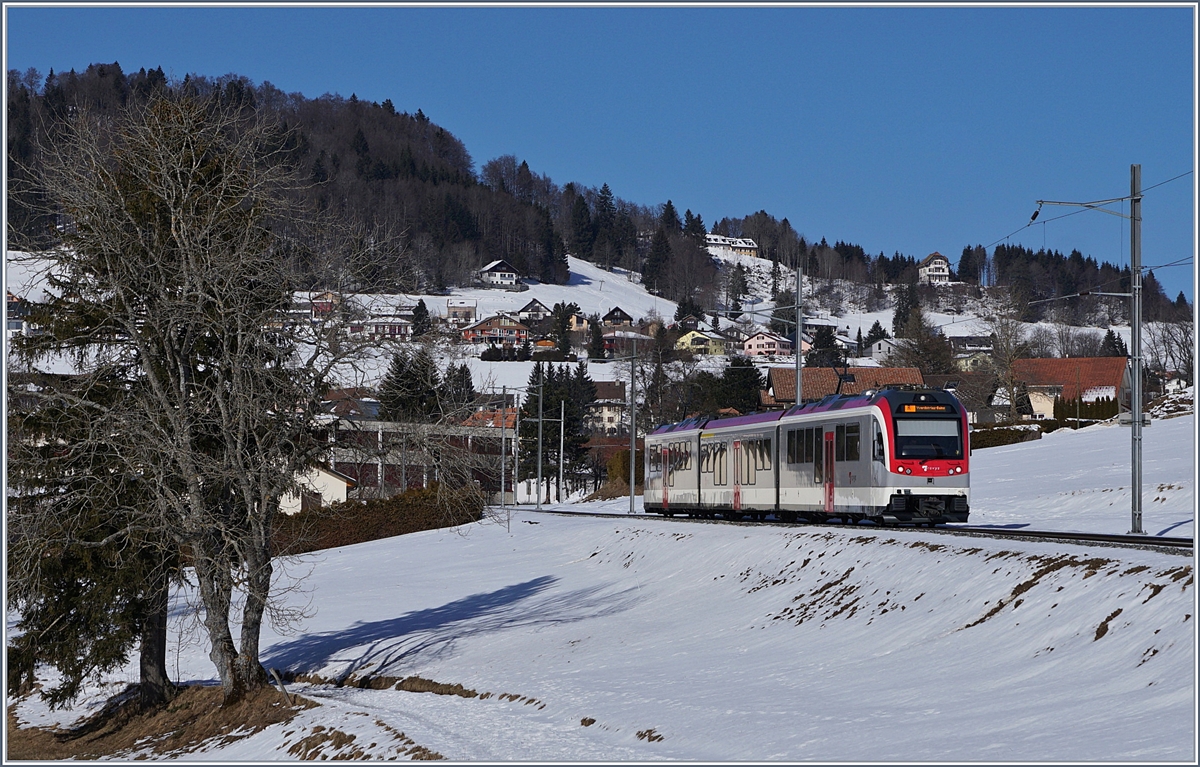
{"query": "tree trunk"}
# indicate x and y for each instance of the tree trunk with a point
(216, 592)
(258, 589)
(155, 688)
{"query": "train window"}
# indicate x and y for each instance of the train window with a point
(852, 442)
(749, 448)
(928, 439)
(655, 459)
(810, 441)
(687, 456)
(795, 446)
(877, 450)
(839, 441)
(818, 457)
(767, 444)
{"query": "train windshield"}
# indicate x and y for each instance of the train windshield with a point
(928, 438)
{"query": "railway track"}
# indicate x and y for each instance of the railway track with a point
(1181, 545)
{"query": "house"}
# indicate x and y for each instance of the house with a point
(391, 326)
(498, 330)
(617, 317)
(719, 245)
(968, 344)
(533, 312)
(935, 269)
(578, 323)
(460, 311)
(699, 342)
(687, 323)
(973, 362)
(320, 486)
(765, 343)
(820, 382)
(325, 303)
(882, 350)
(1087, 379)
(974, 390)
(606, 416)
(499, 273)
(619, 341)
(352, 403)
(16, 314)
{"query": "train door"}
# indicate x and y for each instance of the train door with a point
(737, 475)
(666, 462)
(829, 471)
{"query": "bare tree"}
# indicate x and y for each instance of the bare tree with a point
(172, 279)
(1170, 347)
(1009, 344)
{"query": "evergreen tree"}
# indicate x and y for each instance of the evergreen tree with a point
(1113, 346)
(596, 340)
(906, 303)
(409, 390)
(688, 307)
(583, 235)
(669, 220)
(654, 270)
(924, 347)
(562, 313)
(693, 226)
(458, 392)
(825, 351)
(740, 385)
(859, 343)
(421, 322)
(876, 333)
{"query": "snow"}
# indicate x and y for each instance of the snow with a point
(759, 643)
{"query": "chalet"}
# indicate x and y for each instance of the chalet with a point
(606, 416)
(325, 303)
(617, 317)
(16, 314)
(498, 330)
(383, 326)
(499, 273)
(578, 323)
(719, 245)
(763, 343)
(935, 269)
(617, 341)
(460, 311)
(320, 486)
(1087, 379)
(533, 312)
(820, 382)
(699, 342)
(687, 323)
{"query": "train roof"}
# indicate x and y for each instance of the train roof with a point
(893, 395)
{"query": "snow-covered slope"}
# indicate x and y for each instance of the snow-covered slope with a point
(745, 643)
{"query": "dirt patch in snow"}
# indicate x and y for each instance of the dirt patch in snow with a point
(195, 718)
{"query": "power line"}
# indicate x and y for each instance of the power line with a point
(1082, 210)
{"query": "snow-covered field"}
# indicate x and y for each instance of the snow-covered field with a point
(713, 642)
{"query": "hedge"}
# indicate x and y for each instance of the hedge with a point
(355, 521)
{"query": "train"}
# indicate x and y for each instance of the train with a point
(900, 454)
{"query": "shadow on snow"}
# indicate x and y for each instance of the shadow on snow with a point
(429, 634)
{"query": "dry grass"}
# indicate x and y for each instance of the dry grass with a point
(196, 717)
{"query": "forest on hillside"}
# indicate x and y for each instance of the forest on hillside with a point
(425, 219)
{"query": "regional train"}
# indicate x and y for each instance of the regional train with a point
(894, 455)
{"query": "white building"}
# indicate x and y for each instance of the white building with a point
(500, 273)
(934, 269)
(719, 245)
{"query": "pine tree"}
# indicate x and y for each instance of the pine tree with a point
(740, 385)
(654, 271)
(693, 226)
(669, 219)
(876, 333)
(1113, 346)
(596, 341)
(906, 303)
(409, 390)
(825, 351)
(583, 234)
(421, 322)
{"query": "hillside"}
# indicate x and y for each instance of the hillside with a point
(645, 639)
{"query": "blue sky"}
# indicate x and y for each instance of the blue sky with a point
(899, 129)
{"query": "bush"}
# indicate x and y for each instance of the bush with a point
(618, 467)
(354, 521)
(1000, 435)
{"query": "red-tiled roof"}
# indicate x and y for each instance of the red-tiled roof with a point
(819, 382)
(492, 418)
(1073, 374)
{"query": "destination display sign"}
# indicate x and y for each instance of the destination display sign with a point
(926, 409)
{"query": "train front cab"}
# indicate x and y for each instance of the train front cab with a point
(926, 457)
